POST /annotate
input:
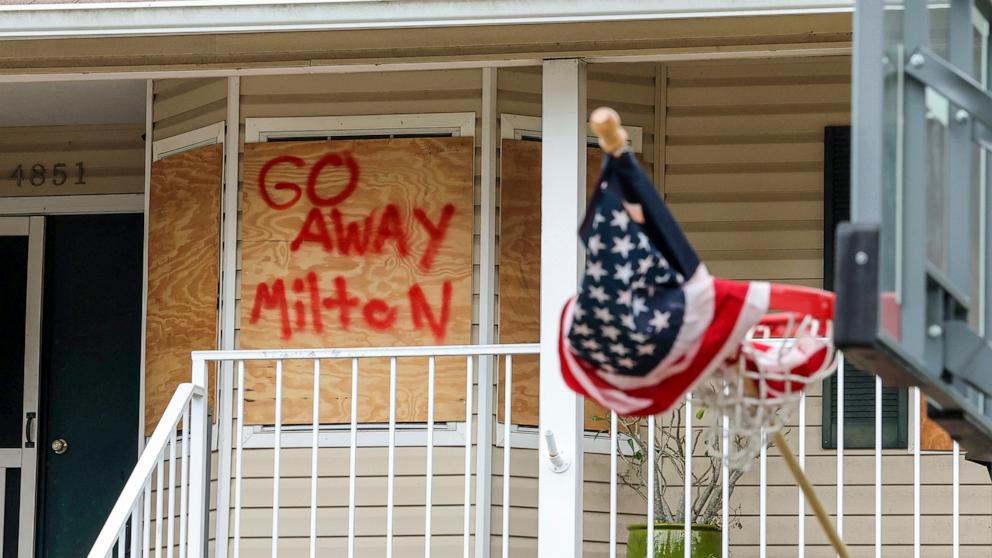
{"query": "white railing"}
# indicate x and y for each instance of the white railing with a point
(476, 356)
(148, 517)
(906, 538)
(129, 530)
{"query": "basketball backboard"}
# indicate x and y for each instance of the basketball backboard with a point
(912, 274)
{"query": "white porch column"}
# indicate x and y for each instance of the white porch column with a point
(563, 164)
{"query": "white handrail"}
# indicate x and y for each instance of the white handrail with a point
(135, 486)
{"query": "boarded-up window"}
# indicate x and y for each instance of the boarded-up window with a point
(183, 268)
(357, 243)
(520, 273)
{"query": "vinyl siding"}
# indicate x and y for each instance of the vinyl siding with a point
(182, 105)
(113, 155)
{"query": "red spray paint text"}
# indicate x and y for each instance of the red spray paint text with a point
(329, 230)
(307, 310)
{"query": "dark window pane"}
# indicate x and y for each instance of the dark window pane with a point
(11, 513)
(13, 277)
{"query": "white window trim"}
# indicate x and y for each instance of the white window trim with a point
(259, 130)
(263, 129)
(75, 204)
(517, 126)
(207, 135)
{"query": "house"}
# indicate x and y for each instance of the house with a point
(329, 181)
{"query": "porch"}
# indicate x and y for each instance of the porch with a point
(436, 448)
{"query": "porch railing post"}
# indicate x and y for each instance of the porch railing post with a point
(199, 465)
(563, 164)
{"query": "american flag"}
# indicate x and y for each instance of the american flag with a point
(649, 322)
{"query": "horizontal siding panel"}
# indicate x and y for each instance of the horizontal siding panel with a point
(975, 530)
(369, 521)
(330, 84)
(745, 138)
(365, 547)
(747, 91)
(782, 500)
(787, 71)
(92, 157)
(728, 211)
(934, 530)
(198, 117)
(295, 462)
(734, 168)
(171, 103)
(520, 104)
(744, 153)
(749, 123)
(343, 98)
(369, 491)
(524, 80)
(260, 107)
(767, 108)
(757, 240)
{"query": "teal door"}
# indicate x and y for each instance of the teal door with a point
(90, 370)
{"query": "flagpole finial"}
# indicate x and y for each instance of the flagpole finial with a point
(605, 122)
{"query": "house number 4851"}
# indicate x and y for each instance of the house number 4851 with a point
(38, 174)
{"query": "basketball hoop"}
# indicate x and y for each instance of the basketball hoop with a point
(758, 388)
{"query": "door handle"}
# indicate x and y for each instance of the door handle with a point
(60, 446)
(28, 423)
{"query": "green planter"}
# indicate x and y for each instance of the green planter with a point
(669, 541)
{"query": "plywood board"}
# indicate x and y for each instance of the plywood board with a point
(183, 270)
(376, 252)
(520, 273)
(932, 436)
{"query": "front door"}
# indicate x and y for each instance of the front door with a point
(90, 375)
(70, 338)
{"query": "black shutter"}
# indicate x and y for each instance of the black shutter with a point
(859, 387)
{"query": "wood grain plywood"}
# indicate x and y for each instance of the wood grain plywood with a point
(932, 436)
(520, 273)
(183, 270)
(377, 253)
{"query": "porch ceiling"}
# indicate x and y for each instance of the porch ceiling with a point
(303, 49)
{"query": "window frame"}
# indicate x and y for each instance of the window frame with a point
(211, 134)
